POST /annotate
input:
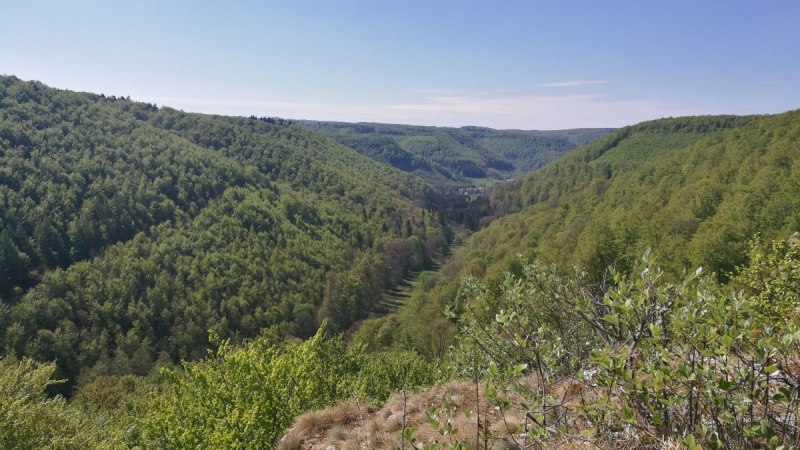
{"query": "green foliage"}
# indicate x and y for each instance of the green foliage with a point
(522, 338)
(442, 420)
(447, 157)
(522, 322)
(115, 404)
(240, 397)
(31, 419)
(689, 360)
(384, 373)
(133, 236)
(694, 190)
(418, 325)
(771, 281)
(248, 396)
(128, 232)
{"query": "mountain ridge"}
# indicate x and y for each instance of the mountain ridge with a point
(456, 157)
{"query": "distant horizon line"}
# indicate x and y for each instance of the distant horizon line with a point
(164, 102)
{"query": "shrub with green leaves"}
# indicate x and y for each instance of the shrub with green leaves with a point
(384, 373)
(772, 280)
(687, 361)
(29, 419)
(246, 397)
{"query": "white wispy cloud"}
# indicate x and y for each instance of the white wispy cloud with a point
(538, 111)
(573, 83)
(524, 111)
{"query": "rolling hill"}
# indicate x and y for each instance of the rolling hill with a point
(456, 157)
(635, 293)
(131, 233)
(189, 277)
(694, 190)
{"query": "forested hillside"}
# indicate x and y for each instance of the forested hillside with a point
(640, 292)
(457, 157)
(677, 186)
(130, 233)
(694, 190)
(189, 280)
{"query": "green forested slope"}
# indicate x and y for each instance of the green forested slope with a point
(456, 156)
(233, 235)
(694, 190)
(654, 328)
(686, 343)
(128, 232)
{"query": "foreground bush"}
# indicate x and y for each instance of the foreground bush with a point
(29, 419)
(644, 361)
(247, 396)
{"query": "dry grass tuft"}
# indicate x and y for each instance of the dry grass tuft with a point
(292, 441)
(339, 433)
(332, 424)
(344, 427)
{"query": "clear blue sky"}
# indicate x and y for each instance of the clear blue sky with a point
(504, 64)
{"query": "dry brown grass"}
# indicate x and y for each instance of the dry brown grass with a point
(291, 442)
(329, 425)
(345, 427)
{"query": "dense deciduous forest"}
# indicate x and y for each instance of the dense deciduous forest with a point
(705, 192)
(457, 157)
(173, 280)
(694, 190)
(130, 232)
(690, 189)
